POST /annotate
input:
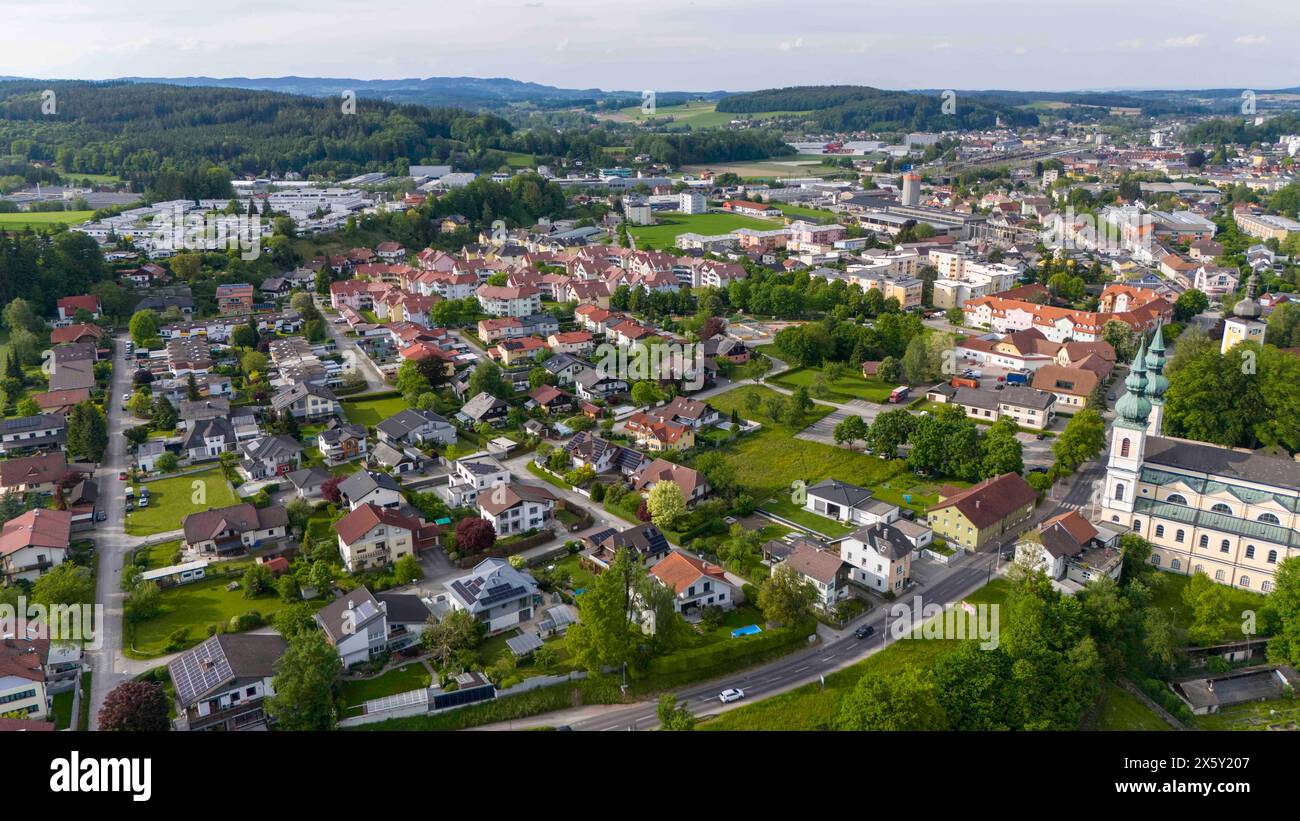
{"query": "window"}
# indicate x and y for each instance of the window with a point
(1178, 537)
(1204, 541)
(1119, 491)
(1224, 546)
(1218, 575)
(1177, 499)
(1155, 560)
(1272, 557)
(1175, 565)
(1245, 581)
(1160, 531)
(1220, 507)
(1250, 551)
(1137, 525)
(1269, 519)
(1123, 447)
(1267, 587)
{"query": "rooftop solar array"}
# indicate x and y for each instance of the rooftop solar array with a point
(198, 671)
(523, 645)
(408, 699)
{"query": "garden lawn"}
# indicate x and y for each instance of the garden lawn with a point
(1124, 711)
(580, 578)
(160, 555)
(62, 717)
(171, 500)
(1252, 716)
(411, 676)
(770, 460)
(782, 506)
(849, 386)
(371, 412)
(812, 707)
(195, 607)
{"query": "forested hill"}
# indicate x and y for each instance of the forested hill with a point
(139, 131)
(862, 108)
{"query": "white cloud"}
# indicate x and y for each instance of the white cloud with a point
(1190, 41)
(1129, 44)
(790, 45)
(1251, 40)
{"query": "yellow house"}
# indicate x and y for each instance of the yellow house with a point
(987, 512)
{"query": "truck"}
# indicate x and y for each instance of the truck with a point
(899, 394)
(1018, 378)
(964, 382)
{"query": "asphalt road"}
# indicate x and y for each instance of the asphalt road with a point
(806, 666)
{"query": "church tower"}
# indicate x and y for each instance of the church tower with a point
(1157, 382)
(1128, 440)
(1244, 324)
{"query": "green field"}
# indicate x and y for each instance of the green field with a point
(42, 219)
(1168, 594)
(791, 165)
(371, 412)
(770, 460)
(1255, 716)
(403, 679)
(1124, 711)
(695, 113)
(62, 715)
(171, 500)
(849, 386)
(782, 506)
(672, 223)
(811, 707)
(194, 608)
(818, 215)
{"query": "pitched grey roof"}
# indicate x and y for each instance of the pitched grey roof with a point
(403, 422)
(840, 493)
(886, 540)
(1217, 461)
(308, 478)
(363, 482)
(481, 405)
(223, 661)
(202, 429)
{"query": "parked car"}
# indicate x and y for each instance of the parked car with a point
(130, 506)
(101, 515)
(731, 694)
(1041, 436)
(144, 502)
(121, 474)
(865, 631)
(1038, 469)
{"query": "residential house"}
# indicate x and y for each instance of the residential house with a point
(1071, 546)
(342, 442)
(564, 367)
(416, 427)
(23, 678)
(372, 537)
(367, 487)
(208, 438)
(307, 401)
(470, 475)
(691, 482)
(235, 299)
(270, 456)
(484, 408)
(1070, 386)
(594, 384)
(68, 306)
(46, 431)
(982, 514)
(495, 593)
(33, 543)
(587, 449)
(362, 626)
(517, 508)
(879, 557)
(1027, 407)
(696, 584)
(223, 683)
(307, 482)
(823, 570)
(551, 399)
(848, 503)
(33, 473)
(232, 530)
(645, 541)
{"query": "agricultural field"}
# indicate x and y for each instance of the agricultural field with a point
(171, 500)
(371, 412)
(42, 219)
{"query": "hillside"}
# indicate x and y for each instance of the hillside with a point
(862, 108)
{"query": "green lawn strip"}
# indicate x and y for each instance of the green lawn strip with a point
(412, 676)
(811, 707)
(171, 500)
(159, 555)
(62, 716)
(547, 477)
(371, 412)
(783, 507)
(1124, 711)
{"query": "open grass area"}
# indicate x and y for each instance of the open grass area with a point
(850, 386)
(62, 716)
(171, 500)
(781, 505)
(1256, 716)
(671, 224)
(411, 676)
(371, 412)
(818, 215)
(1168, 594)
(1124, 711)
(770, 460)
(791, 165)
(580, 578)
(695, 113)
(813, 707)
(194, 608)
(42, 219)
(159, 555)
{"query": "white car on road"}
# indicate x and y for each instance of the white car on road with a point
(731, 694)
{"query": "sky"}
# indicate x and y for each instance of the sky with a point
(670, 45)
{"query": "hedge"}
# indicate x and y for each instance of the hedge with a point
(719, 657)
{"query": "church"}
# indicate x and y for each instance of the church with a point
(1232, 514)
